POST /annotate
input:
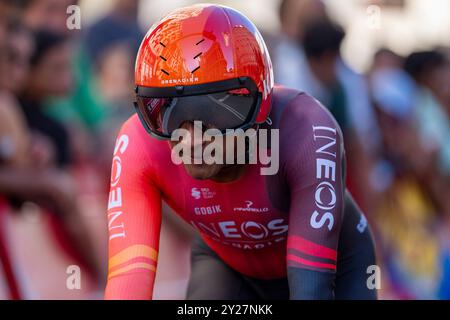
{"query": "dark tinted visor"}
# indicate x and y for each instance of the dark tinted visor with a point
(220, 107)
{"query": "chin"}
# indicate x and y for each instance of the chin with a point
(202, 171)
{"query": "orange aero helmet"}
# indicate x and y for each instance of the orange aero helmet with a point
(197, 50)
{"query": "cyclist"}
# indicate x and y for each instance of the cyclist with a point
(295, 234)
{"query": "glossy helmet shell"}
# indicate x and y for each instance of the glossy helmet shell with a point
(202, 44)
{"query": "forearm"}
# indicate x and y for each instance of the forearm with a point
(134, 220)
(20, 182)
(310, 285)
(135, 286)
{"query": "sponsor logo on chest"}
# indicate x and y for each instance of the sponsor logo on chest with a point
(249, 208)
(202, 211)
(202, 193)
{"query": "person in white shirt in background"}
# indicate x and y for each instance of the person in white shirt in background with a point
(293, 69)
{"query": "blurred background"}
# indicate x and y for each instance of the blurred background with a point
(66, 85)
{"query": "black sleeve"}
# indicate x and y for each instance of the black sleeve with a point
(312, 149)
(307, 284)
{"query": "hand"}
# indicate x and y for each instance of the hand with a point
(42, 151)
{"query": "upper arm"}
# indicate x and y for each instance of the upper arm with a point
(314, 175)
(134, 219)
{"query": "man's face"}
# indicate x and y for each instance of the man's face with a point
(201, 171)
(53, 74)
(48, 14)
(21, 47)
(299, 13)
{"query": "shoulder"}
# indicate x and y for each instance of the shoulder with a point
(304, 125)
(139, 142)
(295, 111)
(308, 134)
(133, 128)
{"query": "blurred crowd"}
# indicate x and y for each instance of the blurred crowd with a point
(64, 94)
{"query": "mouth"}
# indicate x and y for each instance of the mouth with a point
(194, 159)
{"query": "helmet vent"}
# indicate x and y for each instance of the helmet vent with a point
(162, 44)
(198, 55)
(165, 71)
(200, 42)
(195, 69)
(163, 58)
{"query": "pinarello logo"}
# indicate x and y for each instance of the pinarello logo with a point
(195, 193)
(249, 208)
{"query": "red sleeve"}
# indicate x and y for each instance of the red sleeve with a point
(313, 171)
(134, 218)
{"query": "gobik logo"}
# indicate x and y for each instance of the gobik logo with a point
(202, 211)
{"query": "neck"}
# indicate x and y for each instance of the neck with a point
(229, 174)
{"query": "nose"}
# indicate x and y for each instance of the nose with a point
(195, 142)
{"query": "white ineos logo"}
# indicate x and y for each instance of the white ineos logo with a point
(325, 195)
(115, 223)
(362, 225)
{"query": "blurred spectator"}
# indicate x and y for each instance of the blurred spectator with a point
(48, 15)
(100, 99)
(386, 59)
(444, 92)
(322, 73)
(428, 69)
(344, 93)
(407, 219)
(34, 69)
(50, 75)
(293, 70)
(12, 150)
(119, 26)
(18, 46)
(321, 44)
(81, 105)
(111, 45)
(78, 91)
(288, 59)
(106, 59)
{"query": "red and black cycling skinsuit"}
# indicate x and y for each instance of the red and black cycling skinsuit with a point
(298, 230)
